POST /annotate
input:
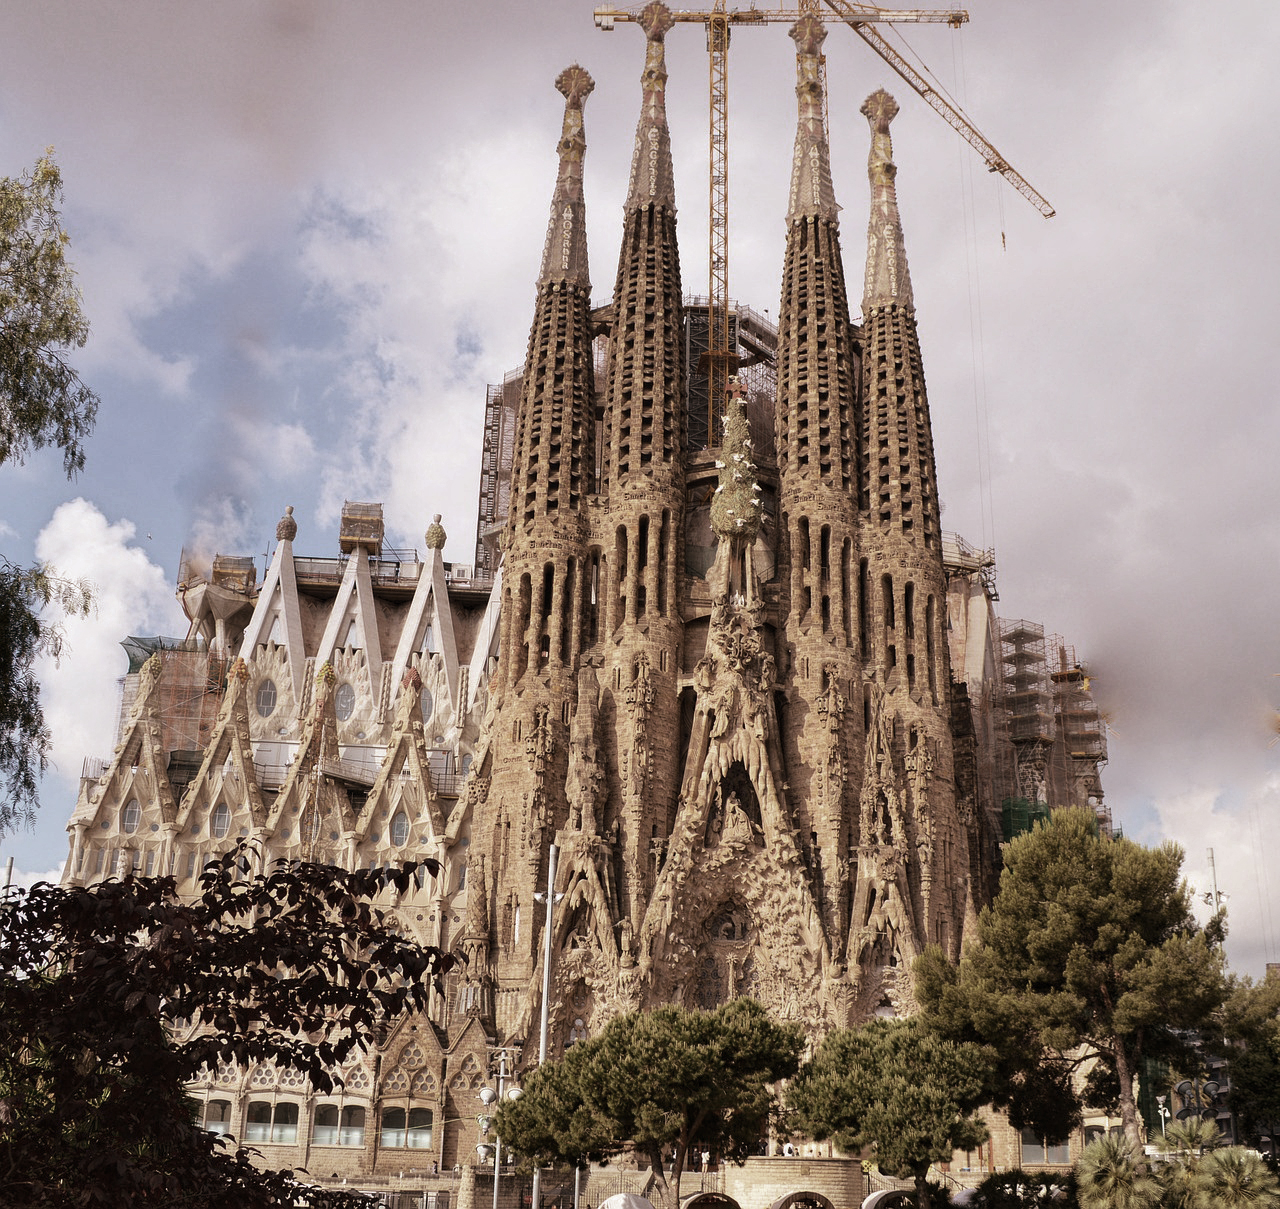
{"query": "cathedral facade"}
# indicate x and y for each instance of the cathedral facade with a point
(704, 691)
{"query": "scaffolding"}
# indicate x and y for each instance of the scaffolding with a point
(753, 343)
(361, 526)
(1028, 696)
(189, 692)
(496, 460)
(1081, 749)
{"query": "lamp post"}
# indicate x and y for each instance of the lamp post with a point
(489, 1097)
(550, 899)
(1164, 1112)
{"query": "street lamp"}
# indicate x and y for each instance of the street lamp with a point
(1164, 1112)
(489, 1097)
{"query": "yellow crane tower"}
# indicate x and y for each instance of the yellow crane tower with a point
(719, 360)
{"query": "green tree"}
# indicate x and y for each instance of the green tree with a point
(1235, 1178)
(1088, 954)
(1251, 1021)
(661, 1082)
(897, 1089)
(43, 403)
(25, 635)
(294, 967)
(1113, 1175)
(42, 400)
(1186, 1142)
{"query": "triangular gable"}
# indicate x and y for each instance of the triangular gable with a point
(308, 795)
(355, 614)
(227, 771)
(138, 769)
(277, 616)
(413, 792)
(430, 607)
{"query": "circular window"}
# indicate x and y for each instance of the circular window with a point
(428, 706)
(344, 701)
(220, 821)
(265, 699)
(130, 817)
(400, 829)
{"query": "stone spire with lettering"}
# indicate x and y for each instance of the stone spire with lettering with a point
(816, 426)
(637, 619)
(904, 593)
(544, 580)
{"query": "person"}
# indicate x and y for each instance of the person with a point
(788, 1150)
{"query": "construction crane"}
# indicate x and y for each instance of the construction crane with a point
(719, 360)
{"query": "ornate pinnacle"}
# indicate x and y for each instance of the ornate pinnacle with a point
(435, 536)
(888, 280)
(736, 505)
(651, 172)
(564, 257)
(811, 190)
(287, 529)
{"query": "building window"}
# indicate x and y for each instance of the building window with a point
(344, 701)
(411, 1129)
(393, 1126)
(130, 817)
(151, 863)
(217, 1116)
(1036, 1151)
(400, 829)
(338, 1127)
(266, 1123)
(265, 699)
(418, 1135)
(428, 705)
(351, 1132)
(220, 820)
(98, 857)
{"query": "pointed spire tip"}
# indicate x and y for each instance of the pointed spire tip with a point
(575, 85)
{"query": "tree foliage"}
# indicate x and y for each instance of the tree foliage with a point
(42, 403)
(1089, 953)
(894, 1088)
(25, 635)
(1112, 1175)
(1252, 1022)
(1200, 1174)
(42, 400)
(114, 997)
(663, 1082)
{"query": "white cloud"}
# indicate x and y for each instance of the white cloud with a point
(132, 595)
(24, 880)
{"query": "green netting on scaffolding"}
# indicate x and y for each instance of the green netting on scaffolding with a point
(1019, 815)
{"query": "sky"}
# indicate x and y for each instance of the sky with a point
(307, 235)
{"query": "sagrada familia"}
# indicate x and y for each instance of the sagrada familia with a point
(734, 681)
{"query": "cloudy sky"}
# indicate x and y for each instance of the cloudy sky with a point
(307, 234)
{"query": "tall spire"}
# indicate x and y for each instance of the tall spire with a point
(817, 441)
(888, 280)
(652, 179)
(811, 191)
(645, 388)
(564, 258)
